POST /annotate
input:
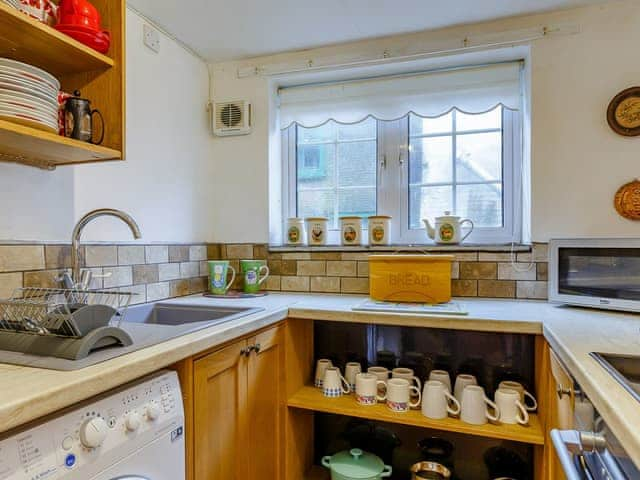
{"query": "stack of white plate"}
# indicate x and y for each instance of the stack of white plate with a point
(12, 3)
(28, 95)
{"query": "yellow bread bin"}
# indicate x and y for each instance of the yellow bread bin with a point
(410, 278)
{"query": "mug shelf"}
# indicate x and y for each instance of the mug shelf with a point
(311, 398)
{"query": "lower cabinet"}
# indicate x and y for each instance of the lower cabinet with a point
(235, 413)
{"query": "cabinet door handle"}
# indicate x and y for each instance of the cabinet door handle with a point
(245, 351)
(256, 348)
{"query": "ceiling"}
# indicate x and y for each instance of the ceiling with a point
(226, 30)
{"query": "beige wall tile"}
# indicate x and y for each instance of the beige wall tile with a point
(9, 282)
(540, 253)
(518, 271)
(97, 282)
(240, 251)
(494, 257)
(168, 271)
(158, 291)
(101, 255)
(145, 274)
(325, 256)
(42, 279)
(197, 253)
(156, 253)
(197, 285)
(477, 270)
(363, 269)
(455, 270)
(272, 283)
(354, 285)
(361, 256)
(179, 288)
(213, 251)
(178, 253)
(497, 288)
(325, 284)
(204, 268)
(311, 267)
(140, 293)
(189, 269)
(534, 290)
(260, 252)
(57, 256)
(288, 267)
(466, 256)
(16, 258)
(542, 271)
(118, 276)
(294, 284)
(464, 288)
(296, 256)
(130, 254)
(342, 268)
(275, 266)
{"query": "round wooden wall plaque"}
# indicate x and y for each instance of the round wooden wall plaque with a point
(623, 114)
(627, 200)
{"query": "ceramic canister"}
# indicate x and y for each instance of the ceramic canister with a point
(351, 230)
(295, 231)
(379, 226)
(317, 230)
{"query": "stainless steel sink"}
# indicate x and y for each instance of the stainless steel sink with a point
(169, 314)
(624, 368)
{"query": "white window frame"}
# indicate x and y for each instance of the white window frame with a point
(392, 194)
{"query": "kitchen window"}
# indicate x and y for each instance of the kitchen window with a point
(456, 148)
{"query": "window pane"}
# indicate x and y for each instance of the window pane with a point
(428, 202)
(479, 157)
(480, 203)
(316, 203)
(359, 201)
(325, 133)
(483, 121)
(316, 166)
(430, 160)
(365, 130)
(357, 164)
(430, 126)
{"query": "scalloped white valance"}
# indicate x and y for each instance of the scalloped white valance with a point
(472, 90)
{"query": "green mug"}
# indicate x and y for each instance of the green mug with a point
(251, 271)
(218, 272)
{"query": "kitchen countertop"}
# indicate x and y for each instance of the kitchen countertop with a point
(30, 393)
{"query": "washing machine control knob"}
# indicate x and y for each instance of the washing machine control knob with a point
(153, 411)
(132, 421)
(93, 432)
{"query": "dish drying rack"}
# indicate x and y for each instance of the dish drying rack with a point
(64, 323)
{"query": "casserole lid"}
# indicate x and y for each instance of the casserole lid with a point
(356, 463)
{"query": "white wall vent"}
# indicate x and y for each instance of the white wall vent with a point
(231, 118)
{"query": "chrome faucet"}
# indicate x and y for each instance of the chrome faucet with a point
(76, 273)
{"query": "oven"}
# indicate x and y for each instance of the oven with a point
(586, 447)
(599, 273)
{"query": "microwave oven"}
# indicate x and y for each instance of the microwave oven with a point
(598, 273)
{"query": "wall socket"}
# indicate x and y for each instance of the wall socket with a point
(151, 38)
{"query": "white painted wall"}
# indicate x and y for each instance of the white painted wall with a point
(577, 161)
(167, 180)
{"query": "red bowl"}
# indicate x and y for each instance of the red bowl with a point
(99, 41)
(81, 20)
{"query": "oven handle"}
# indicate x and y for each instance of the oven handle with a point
(567, 444)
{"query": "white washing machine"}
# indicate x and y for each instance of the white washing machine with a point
(133, 433)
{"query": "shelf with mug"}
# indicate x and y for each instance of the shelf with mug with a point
(28, 40)
(30, 146)
(311, 398)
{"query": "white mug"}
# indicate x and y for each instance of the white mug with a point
(367, 389)
(441, 376)
(383, 375)
(473, 408)
(518, 387)
(321, 367)
(352, 369)
(334, 384)
(398, 395)
(407, 374)
(436, 400)
(462, 381)
(511, 409)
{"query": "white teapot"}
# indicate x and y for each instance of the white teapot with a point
(448, 229)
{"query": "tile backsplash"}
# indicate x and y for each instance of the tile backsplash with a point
(157, 272)
(152, 272)
(474, 273)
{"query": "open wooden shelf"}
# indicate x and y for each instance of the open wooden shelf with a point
(311, 398)
(28, 40)
(21, 144)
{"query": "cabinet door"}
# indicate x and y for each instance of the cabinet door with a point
(265, 430)
(220, 393)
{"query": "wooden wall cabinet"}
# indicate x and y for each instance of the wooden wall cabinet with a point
(100, 78)
(234, 409)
